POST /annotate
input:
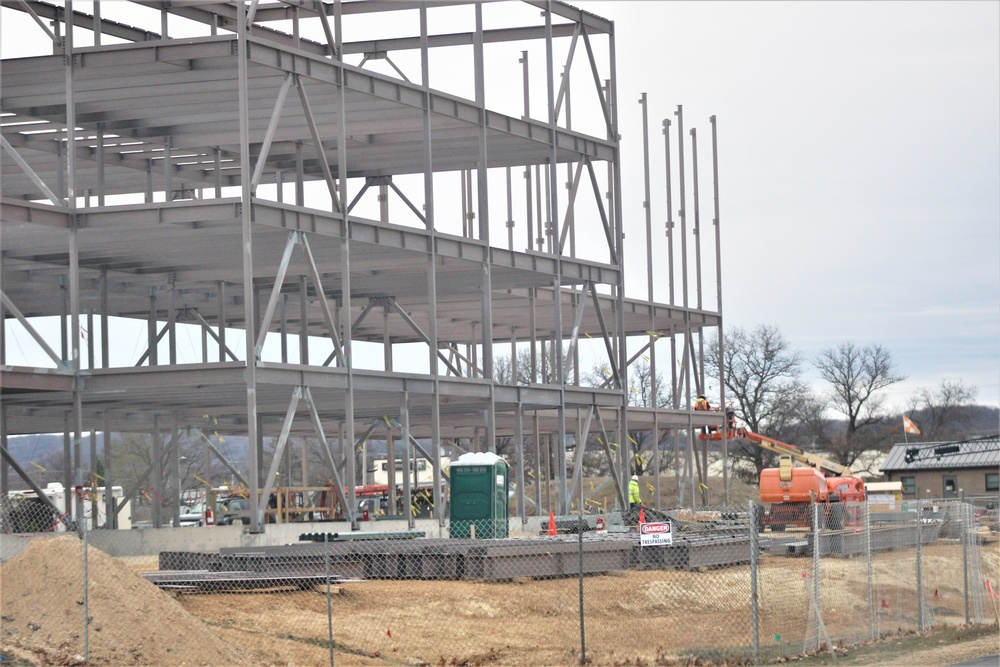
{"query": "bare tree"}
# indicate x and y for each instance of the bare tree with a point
(856, 376)
(940, 411)
(762, 383)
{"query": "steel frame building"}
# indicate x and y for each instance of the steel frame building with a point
(246, 170)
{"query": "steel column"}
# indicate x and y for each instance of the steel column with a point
(246, 219)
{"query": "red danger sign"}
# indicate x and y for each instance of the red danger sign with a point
(655, 534)
(654, 528)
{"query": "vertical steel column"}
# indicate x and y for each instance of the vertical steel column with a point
(175, 471)
(222, 321)
(5, 466)
(432, 335)
(67, 464)
(718, 296)
(90, 338)
(98, 26)
(483, 204)
(653, 388)
(151, 329)
(283, 326)
(303, 321)
(111, 516)
(696, 231)
(682, 214)
(304, 462)
(390, 450)
(74, 251)
(92, 473)
(700, 361)
(157, 474)
(519, 440)
(404, 419)
(538, 465)
(217, 163)
(553, 213)
(510, 211)
(64, 320)
(249, 316)
(3, 330)
(105, 322)
(172, 322)
(618, 225)
(529, 222)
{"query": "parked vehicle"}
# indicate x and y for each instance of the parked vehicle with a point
(192, 515)
(232, 511)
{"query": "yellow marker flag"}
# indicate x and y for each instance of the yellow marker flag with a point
(39, 467)
(203, 481)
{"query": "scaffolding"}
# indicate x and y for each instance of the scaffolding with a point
(363, 245)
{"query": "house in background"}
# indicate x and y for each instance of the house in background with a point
(946, 469)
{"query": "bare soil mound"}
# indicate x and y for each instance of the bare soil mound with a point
(132, 621)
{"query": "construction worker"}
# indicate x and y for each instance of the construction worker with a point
(634, 498)
(702, 405)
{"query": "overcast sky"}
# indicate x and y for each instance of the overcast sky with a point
(859, 150)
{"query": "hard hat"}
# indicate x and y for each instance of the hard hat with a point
(635, 478)
(701, 396)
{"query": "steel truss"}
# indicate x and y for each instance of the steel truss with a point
(145, 177)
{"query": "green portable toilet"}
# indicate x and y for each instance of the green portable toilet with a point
(479, 487)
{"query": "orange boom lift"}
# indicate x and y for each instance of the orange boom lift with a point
(790, 490)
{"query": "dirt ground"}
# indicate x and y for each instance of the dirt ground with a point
(652, 617)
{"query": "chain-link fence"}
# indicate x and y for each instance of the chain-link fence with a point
(642, 587)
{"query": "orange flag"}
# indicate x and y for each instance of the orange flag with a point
(909, 426)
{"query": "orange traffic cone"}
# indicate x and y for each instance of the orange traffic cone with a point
(552, 523)
(642, 515)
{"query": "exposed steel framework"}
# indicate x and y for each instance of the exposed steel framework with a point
(356, 245)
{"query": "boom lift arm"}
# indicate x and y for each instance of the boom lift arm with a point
(826, 466)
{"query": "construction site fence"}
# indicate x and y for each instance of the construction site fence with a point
(712, 585)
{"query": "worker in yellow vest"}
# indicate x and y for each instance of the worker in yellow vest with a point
(634, 498)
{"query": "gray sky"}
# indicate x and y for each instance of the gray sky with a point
(859, 149)
(859, 167)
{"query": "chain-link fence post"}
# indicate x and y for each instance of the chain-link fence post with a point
(329, 600)
(583, 633)
(871, 570)
(815, 573)
(966, 534)
(81, 522)
(754, 597)
(920, 578)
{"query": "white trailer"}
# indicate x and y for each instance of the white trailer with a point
(84, 501)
